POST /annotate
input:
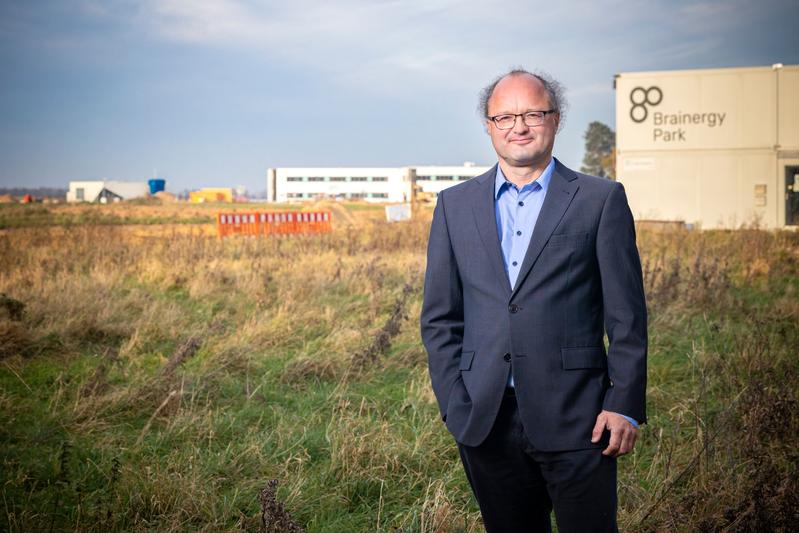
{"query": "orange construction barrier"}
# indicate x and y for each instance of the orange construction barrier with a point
(273, 223)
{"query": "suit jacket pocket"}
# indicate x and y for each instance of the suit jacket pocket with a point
(583, 357)
(568, 239)
(466, 361)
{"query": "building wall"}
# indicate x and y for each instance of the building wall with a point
(84, 191)
(90, 189)
(705, 146)
(375, 184)
(128, 190)
(711, 188)
(208, 194)
(788, 115)
(435, 179)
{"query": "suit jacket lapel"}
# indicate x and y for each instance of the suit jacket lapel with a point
(560, 193)
(485, 218)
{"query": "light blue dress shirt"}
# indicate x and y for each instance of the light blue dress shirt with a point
(517, 212)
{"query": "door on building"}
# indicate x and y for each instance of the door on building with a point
(792, 196)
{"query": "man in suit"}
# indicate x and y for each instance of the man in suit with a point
(528, 266)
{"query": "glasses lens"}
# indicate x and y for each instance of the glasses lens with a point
(534, 118)
(504, 122)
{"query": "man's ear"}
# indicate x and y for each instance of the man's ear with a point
(557, 122)
(487, 126)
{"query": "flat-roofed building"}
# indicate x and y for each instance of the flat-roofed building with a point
(434, 179)
(372, 184)
(106, 191)
(714, 148)
(211, 194)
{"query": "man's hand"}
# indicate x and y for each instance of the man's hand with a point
(622, 433)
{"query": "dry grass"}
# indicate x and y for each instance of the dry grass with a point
(157, 377)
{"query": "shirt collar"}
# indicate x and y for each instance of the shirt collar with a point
(543, 180)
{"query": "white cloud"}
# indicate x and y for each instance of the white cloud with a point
(353, 42)
(212, 22)
(381, 46)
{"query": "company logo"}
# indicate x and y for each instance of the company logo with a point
(641, 98)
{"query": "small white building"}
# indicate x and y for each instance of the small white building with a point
(714, 148)
(106, 191)
(372, 184)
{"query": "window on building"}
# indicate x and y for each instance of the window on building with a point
(462, 178)
(358, 195)
(80, 193)
(423, 178)
(316, 178)
(379, 178)
(379, 195)
(338, 178)
(294, 178)
(445, 178)
(358, 178)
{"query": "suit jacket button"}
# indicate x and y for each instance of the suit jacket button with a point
(513, 308)
(506, 357)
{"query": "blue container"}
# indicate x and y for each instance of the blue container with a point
(156, 185)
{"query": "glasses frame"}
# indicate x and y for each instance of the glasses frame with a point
(522, 115)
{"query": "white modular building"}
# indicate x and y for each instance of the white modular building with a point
(434, 179)
(106, 191)
(713, 148)
(372, 184)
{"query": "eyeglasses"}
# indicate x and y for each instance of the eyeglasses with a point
(531, 118)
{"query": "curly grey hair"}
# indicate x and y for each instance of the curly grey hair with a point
(555, 90)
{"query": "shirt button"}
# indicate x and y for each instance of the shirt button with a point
(506, 357)
(513, 308)
(518, 233)
(514, 263)
(521, 204)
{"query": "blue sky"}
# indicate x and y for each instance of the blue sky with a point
(212, 93)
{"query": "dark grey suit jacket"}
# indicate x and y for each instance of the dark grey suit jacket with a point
(581, 278)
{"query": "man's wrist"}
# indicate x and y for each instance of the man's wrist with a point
(632, 421)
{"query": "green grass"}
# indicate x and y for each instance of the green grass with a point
(97, 435)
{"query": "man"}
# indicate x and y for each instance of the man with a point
(528, 266)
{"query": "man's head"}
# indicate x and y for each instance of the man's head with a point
(529, 139)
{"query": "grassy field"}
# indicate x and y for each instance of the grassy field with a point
(149, 213)
(154, 377)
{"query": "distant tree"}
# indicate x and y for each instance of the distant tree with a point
(600, 151)
(36, 192)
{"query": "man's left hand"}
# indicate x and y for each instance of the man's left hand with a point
(622, 433)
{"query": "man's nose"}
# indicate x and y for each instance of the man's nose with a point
(518, 125)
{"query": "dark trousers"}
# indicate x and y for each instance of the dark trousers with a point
(517, 486)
